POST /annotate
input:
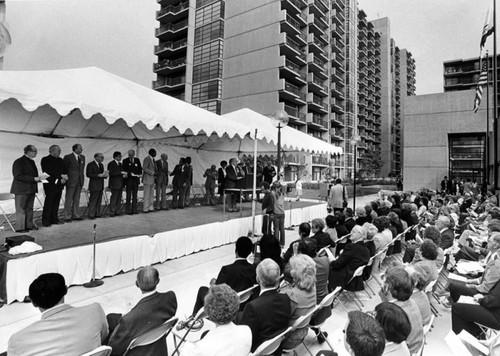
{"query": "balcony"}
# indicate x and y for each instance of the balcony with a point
(293, 27)
(336, 46)
(316, 85)
(294, 114)
(291, 48)
(291, 71)
(336, 134)
(317, 122)
(318, 6)
(293, 6)
(336, 108)
(336, 77)
(177, 29)
(169, 48)
(317, 66)
(320, 160)
(316, 103)
(170, 12)
(167, 66)
(168, 84)
(338, 5)
(316, 47)
(317, 24)
(336, 92)
(292, 93)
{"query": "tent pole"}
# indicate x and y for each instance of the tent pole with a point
(254, 187)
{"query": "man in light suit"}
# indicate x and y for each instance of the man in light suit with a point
(152, 310)
(74, 165)
(24, 187)
(96, 174)
(132, 166)
(63, 329)
(148, 179)
(161, 182)
(116, 175)
(337, 196)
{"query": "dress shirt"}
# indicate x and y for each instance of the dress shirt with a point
(263, 290)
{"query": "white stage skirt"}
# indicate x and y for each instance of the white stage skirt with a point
(113, 257)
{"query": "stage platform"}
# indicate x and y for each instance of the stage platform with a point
(131, 241)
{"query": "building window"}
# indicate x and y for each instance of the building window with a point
(207, 71)
(207, 91)
(316, 173)
(209, 32)
(208, 52)
(209, 13)
(212, 106)
(466, 152)
(201, 3)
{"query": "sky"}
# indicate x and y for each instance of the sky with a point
(434, 31)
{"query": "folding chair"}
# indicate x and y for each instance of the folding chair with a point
(326, 303)
(429, 291)
(106, 200)
(100, 351)
(247, 293)
(358, 273)
(7, 197)
(152, 335)
(200, 315)
(427, 328)
(270, 346)
(486, 331)
(300, 323)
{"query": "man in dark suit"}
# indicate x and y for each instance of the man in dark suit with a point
(74, 165)
(233, 176)
(443, 224)
(189, 181)
(152, 310)
(239, 275)
(221, 180)
(97, 175)
(132, 166)
(269, 172)
(161, 182)
(24, 187)
(179, 185)
(116, 175)
(270, 313)
(53, 165)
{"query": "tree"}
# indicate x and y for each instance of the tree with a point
(370, 164)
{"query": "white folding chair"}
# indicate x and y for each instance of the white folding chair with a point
(358, 273)
(427, 328)
(152, 335)
(7, 197)
(300, 323)
(326, 303)
(177, 334)
(247, 293)
(270, 346)
(100, 351)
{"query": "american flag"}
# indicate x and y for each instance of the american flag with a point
(482, 81)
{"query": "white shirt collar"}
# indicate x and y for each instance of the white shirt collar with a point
(144, 295)
(263, 290)
(76, 156)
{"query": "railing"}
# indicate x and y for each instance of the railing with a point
(173, 9)
(295, 68)
(295, 90)
(297, 3)
(171, 45)
(169, 82)
(170, 63)
(293, 44)
(319, 82)
(319, 62)
(320, 160)
(318, 120)
(319, 101)
(294, 23)
(294, 111)
(172, 27)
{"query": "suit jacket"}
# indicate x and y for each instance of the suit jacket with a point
(322, 239)
(447, 238)
(180, 175)
(74, 170)
(211, 177)
(115, 175)
(343, 268)
(148, 170)
(232, 176)
(189, 174)
(93, 171)
(336, 196)
(24, 171)
(490, 276)
(267, 316)
(221, 178)
(239, 275)
(161, 173)
(54, 167)
(132, 166)
(150, 312)
(62, 330)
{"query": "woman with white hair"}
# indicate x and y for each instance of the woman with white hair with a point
(354, 255)
(302, 294)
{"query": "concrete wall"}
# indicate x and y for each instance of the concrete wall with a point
(428, 119)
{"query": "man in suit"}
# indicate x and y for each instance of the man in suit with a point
(116, 176)
(63, 329)
(239, 275)
(74, 165)
(189, 181)
(179, 184)
(269, 172)
(53, 165)
(96, 174)
(270, 313)
(337, 196)
(211, 177)
(161, 182)
(443, 224)
(221, 180)
(132, 166)
(444, 185)
(24, 187)
(148, 179)
(233, 176)
(151, 311)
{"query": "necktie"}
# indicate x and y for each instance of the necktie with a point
(101, 168)
(79, 160)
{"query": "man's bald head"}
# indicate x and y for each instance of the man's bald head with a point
(147, 279)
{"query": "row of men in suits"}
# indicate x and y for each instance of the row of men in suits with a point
(67, 330)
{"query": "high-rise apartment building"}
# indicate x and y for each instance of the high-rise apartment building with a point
(462, 74)
(301, 56)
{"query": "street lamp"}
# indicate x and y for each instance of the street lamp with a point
(354, 140)
(280, 120)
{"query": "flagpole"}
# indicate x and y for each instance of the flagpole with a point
(495, 99)
(487, 139)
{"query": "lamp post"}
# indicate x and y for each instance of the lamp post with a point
(280, 120)
(354, 140)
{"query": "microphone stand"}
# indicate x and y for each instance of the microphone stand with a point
(93, 282)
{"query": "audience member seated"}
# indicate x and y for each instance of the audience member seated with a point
(354, 255)
(270, 313)
(349, 219)
(443, 224)
(369, 210)
(475, 250)
(400, 287)
(396, 327)
(302, 294)
(340, 227)
(396, 228)
(322, 238)
(464, 316)
(431, 233)
(151, 311)
(483, 284)
(425, 258)
(331, 228)
(62, 329)
(363, 335)
(361, 216)
(239, 275)
(384, 236)
(226, 339)
(270, 248)
(304, 231)
(418, 295)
